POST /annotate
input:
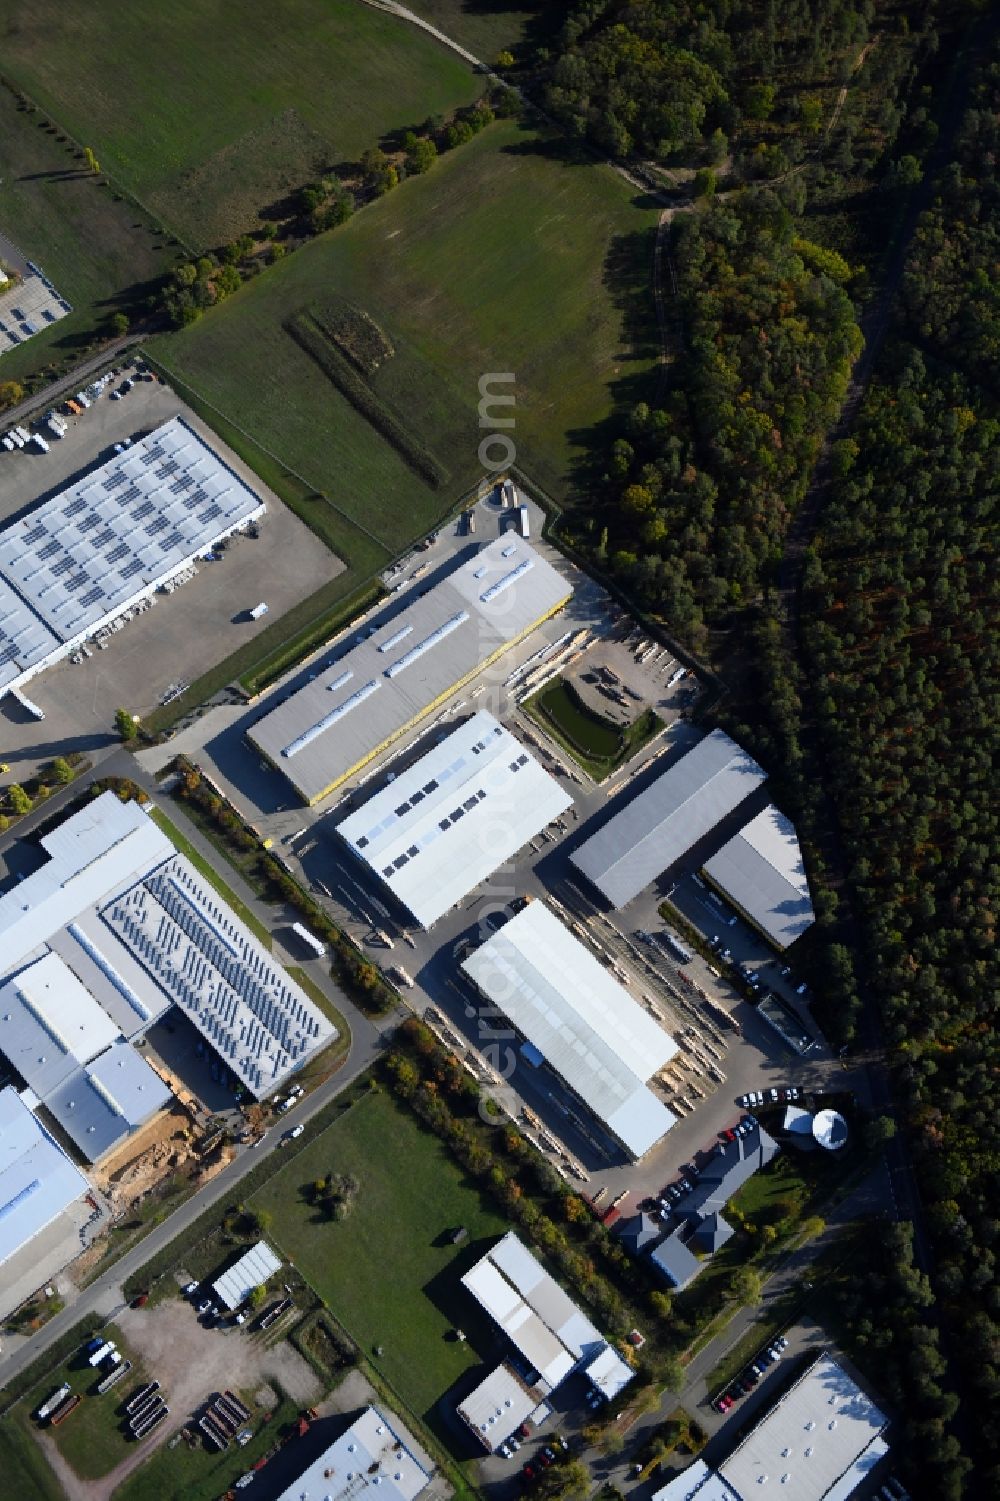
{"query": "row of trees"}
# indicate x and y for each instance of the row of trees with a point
(194, 286)
(363, 980)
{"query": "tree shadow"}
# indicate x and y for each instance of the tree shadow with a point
(628, 280)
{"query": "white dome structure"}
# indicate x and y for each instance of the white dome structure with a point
(829, 1130)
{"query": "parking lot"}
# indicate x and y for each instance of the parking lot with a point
(188, 631)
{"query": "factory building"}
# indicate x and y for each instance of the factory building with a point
(761, 872)
(444, 825)
(400, 669)
(658, 827)
(96, 549)
(574, 1017)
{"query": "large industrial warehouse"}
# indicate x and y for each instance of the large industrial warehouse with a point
(37, 1179)
(444, 825)
(659, 826)
(762, 873)
(819, 1443)
(100, 942)
(576, 1018)
(82, 558)
(403, 668)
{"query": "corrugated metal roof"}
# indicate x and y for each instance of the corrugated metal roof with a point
(447, 822)
(586, 1025)
(761, 870)
(252, 1270)
(659, 826)
(50, 1023)
(814, 1435)
(535, 1313)
(451, 631)
(37, 1179)
(114, 1095)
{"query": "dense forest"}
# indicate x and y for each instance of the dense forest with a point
(903, 601)
(657, 79)
(951, 282)
(701, 492)
(762, 289)
(882, 731)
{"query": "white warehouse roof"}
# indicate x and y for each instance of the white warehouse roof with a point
(499, 1404)
(761, 871)
(50, 1023)
(696, 1483)
(99, 1105)
(608, 1373)
(82, 557)
(37, 1179)
(815, 1435)
(538, 1317)
(405, 665)
(140, 930)
(585, 1025)
(252, 1270)
(373, 1451)
(448, 822)
(661, 824)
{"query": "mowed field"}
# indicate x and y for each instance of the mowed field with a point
(498, 260)
(212, 113)
(389, 1272)
(483, 27)
(99, 251)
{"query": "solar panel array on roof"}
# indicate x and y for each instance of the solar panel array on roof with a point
(255, 1017)
(450, 820)
(90, 535)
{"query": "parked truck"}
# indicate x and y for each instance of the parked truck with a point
(523, 521)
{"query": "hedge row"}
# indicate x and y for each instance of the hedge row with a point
(355, 389)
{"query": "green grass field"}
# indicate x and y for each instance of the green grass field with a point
(91, 1439)
(209, 113)
(595, 743)
(184, 1474)
(484, 27)
(93, 247)
(499, 259)
(24, 1464)
(389, 1272)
